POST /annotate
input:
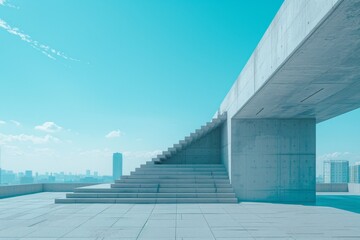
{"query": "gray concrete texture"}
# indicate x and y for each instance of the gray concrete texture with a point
(332, 187)
(205, 150)
(309, 46)
(37, 217)
(162, 183)
(273, 159)
(17, 190)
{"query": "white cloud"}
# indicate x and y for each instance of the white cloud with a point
(5, 3)
(27, 138)
(1, 121)
(48, 127)
(15, 122)
(46, 50)
(114, 134)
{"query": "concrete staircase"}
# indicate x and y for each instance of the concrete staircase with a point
(188, 140)
(161, 181)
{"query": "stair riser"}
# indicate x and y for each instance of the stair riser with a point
(156, 190)
(198, 166)
(169, 185)
(145, 200)
(180, 171)
(150, 195)
(178, 181)
(186, 177)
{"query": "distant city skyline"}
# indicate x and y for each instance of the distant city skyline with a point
(126, 77)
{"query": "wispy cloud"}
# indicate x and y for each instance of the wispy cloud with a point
(27, 138)
(1, 121)
(48, 127)
(114, 134)
(15, 123)
(5, 3)
(45, 49)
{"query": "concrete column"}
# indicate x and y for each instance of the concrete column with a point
(273, 160)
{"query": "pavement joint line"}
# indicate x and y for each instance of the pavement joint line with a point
(131, 207)
(202, 213)
(238, 222)
(176, 216)
(62, 236)
(137, 237)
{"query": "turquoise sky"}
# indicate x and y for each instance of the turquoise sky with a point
(80, 80)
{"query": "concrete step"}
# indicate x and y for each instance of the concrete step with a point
(156, 190)
(198, 190)
(166, 185)
(150, 195)
(179, 181)
(175, 176)
(146, 200)
(181, 170)
(184, 166)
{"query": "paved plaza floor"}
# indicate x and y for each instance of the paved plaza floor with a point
(36, 216)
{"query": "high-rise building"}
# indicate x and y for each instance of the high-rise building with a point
(117, 165)
(336, 171)
(355, 173)
(27, 178)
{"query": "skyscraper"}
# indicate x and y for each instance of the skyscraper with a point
(336, 171)
(117, 165)
(355, 173)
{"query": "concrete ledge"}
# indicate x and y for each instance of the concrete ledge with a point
(17, 190)
(64, 187)
(332, 187)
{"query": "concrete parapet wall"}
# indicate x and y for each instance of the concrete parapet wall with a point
(354, 187)
(17, 190)
(332, 187)
(64, 187)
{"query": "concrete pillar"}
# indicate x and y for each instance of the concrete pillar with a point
(273, 160)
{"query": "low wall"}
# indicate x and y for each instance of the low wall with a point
(354, 188)
(64, 187)
(332, 187)
(17, 190)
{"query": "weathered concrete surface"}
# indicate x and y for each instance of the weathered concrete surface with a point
(332, 187)
(205, 150)
(273, 159)
(309, 53)
(17, 190)
(354, 188)
(37, 217)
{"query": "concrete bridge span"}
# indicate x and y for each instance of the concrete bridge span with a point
(305, 70)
